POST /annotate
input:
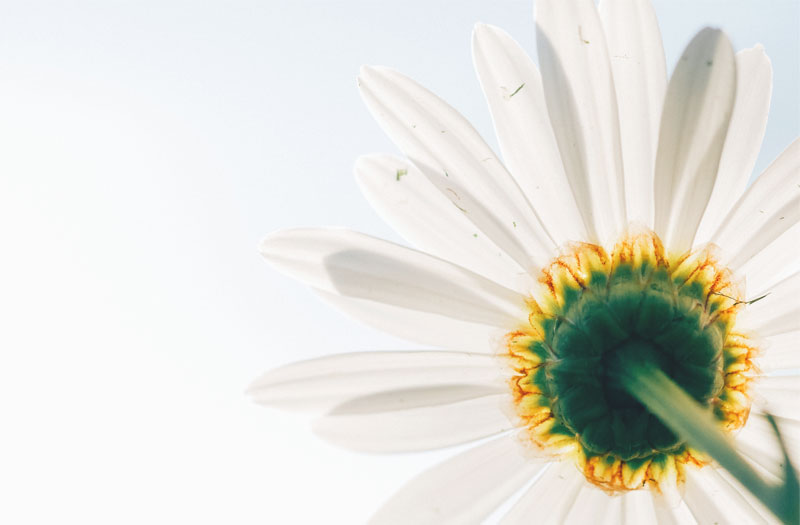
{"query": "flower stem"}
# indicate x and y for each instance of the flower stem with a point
(698, 427)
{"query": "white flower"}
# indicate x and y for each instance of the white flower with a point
(603, 162)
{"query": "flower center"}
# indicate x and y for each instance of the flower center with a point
(597, 313)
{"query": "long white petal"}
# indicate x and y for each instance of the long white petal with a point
(448, 150)
(779, 311)
(418, 211)
(776, 261)
(780, 352)
(415, 419)
(669, 513)
(321, 384)
(640, 79)
(513, 88)
(758, 440)
(550, 497)
(779, 395)
(712, 500)
(582, 104)
(592, 505)
(421, 327)
(463, 489)
(357, 265)
(767, 209)
(694, 122)
(745, 133)
(637, 507)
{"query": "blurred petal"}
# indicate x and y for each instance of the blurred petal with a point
(550, 498)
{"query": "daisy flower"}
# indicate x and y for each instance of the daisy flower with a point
(574, 292)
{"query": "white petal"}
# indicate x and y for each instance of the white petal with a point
(767, 209)
(463, 489)
(357, 265)
(414, 325)
(780, 352)
(448, 150)
(780, 394)
(694, 123)
(712, 500)
(413, 420)
(773, 263)
(592, 505)
(550, 498)
(418, 211)
(758, 441)
(640, 79)
(513, 88)
(745, 133)
(637, 507)
(746, 495)
(581, 101)
(779, 311)
(669, 513)
(321, 384)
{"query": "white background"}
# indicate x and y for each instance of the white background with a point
(145, 148)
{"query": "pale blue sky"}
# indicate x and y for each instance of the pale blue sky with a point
(146, 148)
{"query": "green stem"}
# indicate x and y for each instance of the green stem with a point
(698, 427)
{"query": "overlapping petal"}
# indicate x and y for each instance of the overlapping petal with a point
(743, 141)
(451, 154)
(694, 123)
(419, 212)
(357, 265)
(321, 384)
(582, 103)
(640, 79)
(513, 89)
(464, 489)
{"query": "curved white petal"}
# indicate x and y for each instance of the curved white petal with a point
(745, 133)
(321, 384)
(463, 489)
(640, 79)
(513, 88)
(747, 496)
(582, 104)
(767, 209)
(451, 154)
(637, 507)
(595, 506)
(712, 500)
(357, 265)
(774, 262)
(779, 311)
(779, 395)
(780, 352)
(414, 325)
(669, 513)
(694, 122)
(550, 497)
(418, 211)
(758, 441)
(415, 419)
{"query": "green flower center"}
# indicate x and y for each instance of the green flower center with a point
(599, 314)
(655, 322)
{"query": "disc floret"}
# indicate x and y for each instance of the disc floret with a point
(597, 311)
